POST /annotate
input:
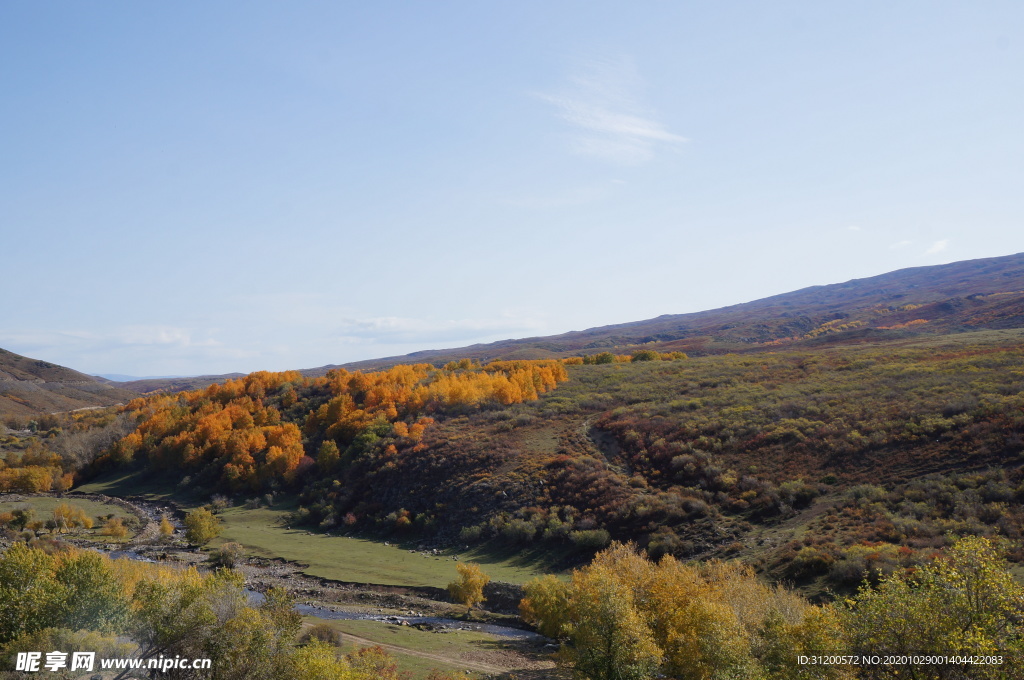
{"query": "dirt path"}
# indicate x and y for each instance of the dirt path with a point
(604, 445)
(477, 666)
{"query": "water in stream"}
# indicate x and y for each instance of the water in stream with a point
(440, 622)
(325, 613)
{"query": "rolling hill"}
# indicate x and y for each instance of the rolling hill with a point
(818, 465)
(31, 387)
(179, 384)
(962, 296)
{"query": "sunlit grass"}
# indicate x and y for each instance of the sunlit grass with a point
(264, 532)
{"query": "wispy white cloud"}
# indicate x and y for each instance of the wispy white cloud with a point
(120, 348)
(937, 247)
(602, 102)
(399, 330)
(126, 336)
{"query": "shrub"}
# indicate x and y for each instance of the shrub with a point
(471, 534)
(664, 541)
(797, 493)
(201, 526)
(590, 539)
(114, 528)
(809, 562)
(229, 555)
(322, 632)
(519, 531)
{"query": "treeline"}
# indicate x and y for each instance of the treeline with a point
(275, 430)
(624, 616)
(73, 601)
(609, 358)
(46, 452)
(621, 617)
(35, 469)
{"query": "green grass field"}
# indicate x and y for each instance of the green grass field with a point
(263, 532)
(130, 482)
(360, 560)
(44, 506)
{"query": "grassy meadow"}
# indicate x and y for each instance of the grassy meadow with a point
(43, 507)
(344, 558)
(264, 532)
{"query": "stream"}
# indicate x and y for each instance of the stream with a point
(326, 613)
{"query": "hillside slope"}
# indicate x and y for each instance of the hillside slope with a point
(31, 387)
(961, 296)
(818, 465)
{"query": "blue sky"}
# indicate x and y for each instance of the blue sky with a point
(210, 187)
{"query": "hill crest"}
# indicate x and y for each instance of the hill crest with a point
(961, 296)
(31, 387)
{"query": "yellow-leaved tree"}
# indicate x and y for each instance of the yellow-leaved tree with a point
(67, 517)
(201, 526)
(624, 616)
(469, 588)
(965, 604)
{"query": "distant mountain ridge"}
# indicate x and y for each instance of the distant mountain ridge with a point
(121, 378)
(961, 296)
(178, 384)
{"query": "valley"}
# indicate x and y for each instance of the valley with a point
(848, 457)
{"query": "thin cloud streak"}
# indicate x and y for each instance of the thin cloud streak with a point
(603, 104)
(127, 336)
(937, 247)
(398, 330)
(171, 350)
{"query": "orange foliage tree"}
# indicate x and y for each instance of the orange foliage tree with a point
(255, 432)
